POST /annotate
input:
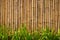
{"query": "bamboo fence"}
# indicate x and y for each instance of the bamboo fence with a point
(36, 14)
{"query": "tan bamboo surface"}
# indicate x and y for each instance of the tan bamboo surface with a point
(36, 14)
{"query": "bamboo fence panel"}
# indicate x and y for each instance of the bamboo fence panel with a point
(36, 14)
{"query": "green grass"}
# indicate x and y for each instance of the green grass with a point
(23, 34)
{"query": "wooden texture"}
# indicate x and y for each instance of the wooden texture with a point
(36, 14)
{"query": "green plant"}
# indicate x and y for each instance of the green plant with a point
(35, 35)
(3, 33)
(23, 34)
(49, 35)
